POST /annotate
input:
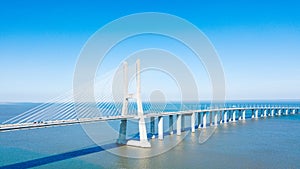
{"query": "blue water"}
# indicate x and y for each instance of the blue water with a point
(263, 143)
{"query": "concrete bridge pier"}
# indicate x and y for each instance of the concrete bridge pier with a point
(216, 118)
(193, 120)
(233, 116)
(171, 124)
(143, 142)
(261, 113)
(178, 124)
(279, 112)
(272, 112)
(230, 113)
(152, 127)
(221, 119)
(256, 113)
(225, 116)
(244, 115)
(293, 111)
(239, 115)
(160, 128)
(199, 120)
(210, 118)
(122, 132)
(183, 123)
(204, 120)
(265, 112)
(287, 112)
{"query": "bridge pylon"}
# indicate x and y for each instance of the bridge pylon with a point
(143, 140)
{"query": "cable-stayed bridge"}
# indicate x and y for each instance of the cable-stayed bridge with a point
(65, 110)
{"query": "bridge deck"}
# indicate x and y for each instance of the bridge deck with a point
(19, 126)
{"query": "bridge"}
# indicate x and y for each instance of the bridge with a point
(66, 113)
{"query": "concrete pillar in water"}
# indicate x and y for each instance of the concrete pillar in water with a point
(221, 113)
(233, 115)
(171, 124)
(199, 120)
(244, 115)
(225, 116)
(279, 112)
(216, 118)
(293, 111)
(193, 120)
(152, 126)
(122, 132)
(287, 112)
(204, 120)
(265, 112)
(178, 124)
(261, 113)
(239, 115)
(182, 123)
(210, 118)
(272, 112)
(256, 113)
(160, 128)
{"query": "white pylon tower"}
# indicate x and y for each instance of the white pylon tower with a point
(143, 142)
(123, 124)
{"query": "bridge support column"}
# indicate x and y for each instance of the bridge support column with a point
(210, 118)
(233, 115)
(143, 142)
(204, 120)
(244, 115)
(293, 111)
(225, 116)
(199, 120)
(193, 120)
(256, 113)
(265, 113)
(143, 135)
(216, 118)
(122, 132)
(178, 124)
(221, 113)
(287, 112)
(182, 122)
(239, 115)
(171, 124)
(160, 128)
(272, 112)
(152, 126)
(279, 112)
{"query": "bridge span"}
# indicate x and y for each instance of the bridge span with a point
(64, 114)
(199, 119)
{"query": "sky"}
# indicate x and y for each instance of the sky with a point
(257, 42)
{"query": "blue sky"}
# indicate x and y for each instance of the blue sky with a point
(257, 41)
